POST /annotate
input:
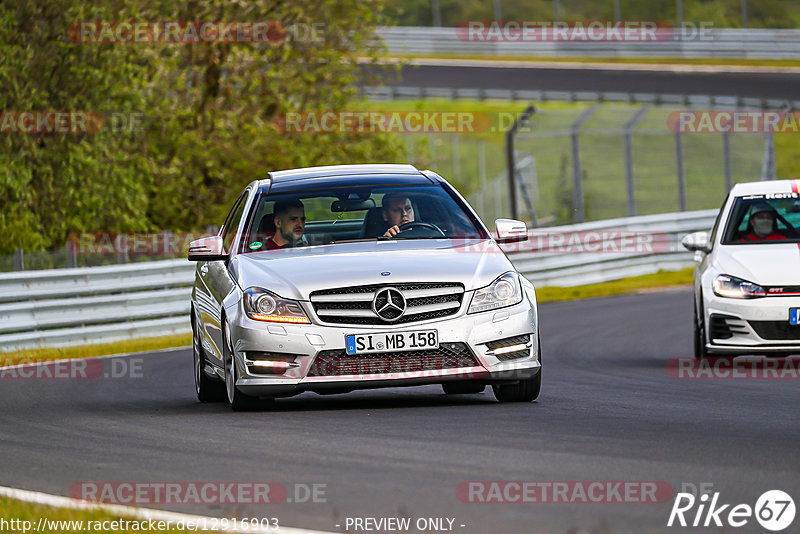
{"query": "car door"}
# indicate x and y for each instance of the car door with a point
(214, 283)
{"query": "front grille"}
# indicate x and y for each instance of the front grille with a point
(776, 330)
(353, 305)
(339, 363)
(782, 291)
(724, 326)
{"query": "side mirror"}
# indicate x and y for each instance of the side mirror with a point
(511, 231)
(207, 249)
(696, 242)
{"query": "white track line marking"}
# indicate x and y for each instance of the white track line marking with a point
(131, 511)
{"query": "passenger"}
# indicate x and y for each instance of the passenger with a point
(290, 223)
(762, 225)
(397, 210)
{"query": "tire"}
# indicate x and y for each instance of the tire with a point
(207, 389)
(523, 391)
(700, 350)
(238, 401)
(463, 388)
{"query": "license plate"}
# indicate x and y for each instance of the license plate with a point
(391, 341)
(794, 316)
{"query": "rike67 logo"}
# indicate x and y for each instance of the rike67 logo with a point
(774, 510)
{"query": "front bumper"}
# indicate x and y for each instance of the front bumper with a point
(751, 326)
(302, 344)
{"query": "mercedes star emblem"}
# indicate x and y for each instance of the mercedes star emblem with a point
(389, 304)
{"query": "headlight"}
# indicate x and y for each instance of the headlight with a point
(736, 288)
(261, 305)
(505, 291)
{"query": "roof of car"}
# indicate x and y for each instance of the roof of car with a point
(770, 186)
(342, 170)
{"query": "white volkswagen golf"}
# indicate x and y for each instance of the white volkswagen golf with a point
(747, 279)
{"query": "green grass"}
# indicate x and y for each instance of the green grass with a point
(735, 62)
(101, 349)
(624, 286)
(13, 509)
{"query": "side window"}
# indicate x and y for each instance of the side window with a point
(232, 222)
(715, 229)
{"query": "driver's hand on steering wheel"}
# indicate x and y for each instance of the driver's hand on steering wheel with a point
(393, 231)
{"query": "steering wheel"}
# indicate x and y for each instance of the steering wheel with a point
(418, 224)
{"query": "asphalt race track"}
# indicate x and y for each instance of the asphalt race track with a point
(608, 411)
(744, 84)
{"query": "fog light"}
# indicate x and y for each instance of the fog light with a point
(512, 348)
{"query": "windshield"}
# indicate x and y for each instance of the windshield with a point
(313, 217)
(759, 219)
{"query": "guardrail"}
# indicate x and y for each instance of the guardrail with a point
(61, 307)
(571, 268)
(87, 305)
(716, 43)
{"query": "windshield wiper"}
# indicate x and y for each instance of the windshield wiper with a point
(358, 240)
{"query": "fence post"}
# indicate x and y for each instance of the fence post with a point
(681, 171)
(19, 260)
(768, 162)
(72, 254)
(456, 153)
(482, 176)
(726, 160)
(511, 162)
(629, 178)
(577, 180)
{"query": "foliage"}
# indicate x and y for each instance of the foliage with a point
(210, 112)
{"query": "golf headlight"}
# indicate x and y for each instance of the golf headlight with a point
(736, 288)
(261, 305)
(505, 291)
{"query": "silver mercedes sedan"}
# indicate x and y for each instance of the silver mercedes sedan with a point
(331, 279)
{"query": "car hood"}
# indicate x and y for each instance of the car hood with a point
(295, 273)
(767, 265)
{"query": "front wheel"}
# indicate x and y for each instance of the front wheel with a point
(238, 401)
(700, 350)
(523, 391)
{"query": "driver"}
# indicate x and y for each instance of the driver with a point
(290, 223)
(762, 224)
(397, 210)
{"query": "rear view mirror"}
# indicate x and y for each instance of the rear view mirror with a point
(207, 249)
(696, 242)
(339, 206)
(511, 231)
